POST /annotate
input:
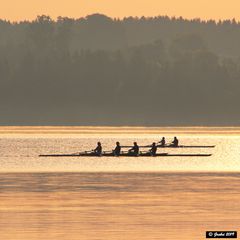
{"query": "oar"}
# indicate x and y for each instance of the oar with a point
(144, 152)
(76, 153)
(79, 153)
(107, 151)
(132, 146)
(148, 146)
(91, 151)
(124, 152)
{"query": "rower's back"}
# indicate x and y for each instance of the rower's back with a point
(163, 142)
(175, 142)
(117, 150)
(135, 149)
(153, 150)
(98, 149)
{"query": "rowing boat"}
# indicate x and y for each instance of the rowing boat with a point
(169, 146)
(125, 155)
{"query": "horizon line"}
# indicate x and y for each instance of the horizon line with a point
(114, 18)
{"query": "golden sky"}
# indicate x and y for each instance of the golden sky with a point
(16, 10)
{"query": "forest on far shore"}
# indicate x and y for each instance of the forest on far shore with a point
(134, 71)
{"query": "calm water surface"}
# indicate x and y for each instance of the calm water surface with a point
(116, 198)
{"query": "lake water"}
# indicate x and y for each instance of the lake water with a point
(117, 198)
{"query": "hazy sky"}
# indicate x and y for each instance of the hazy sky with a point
(205, 9)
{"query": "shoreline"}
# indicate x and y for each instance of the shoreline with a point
(118, 130)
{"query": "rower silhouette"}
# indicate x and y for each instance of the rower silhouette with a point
(162, 142)
(134, 150)
(153, 150)
(117, 150)
(175, 142)
(98, 149)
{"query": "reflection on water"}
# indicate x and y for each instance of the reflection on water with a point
(113, 206)
(104, 198)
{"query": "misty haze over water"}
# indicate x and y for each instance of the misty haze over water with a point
(135, 71)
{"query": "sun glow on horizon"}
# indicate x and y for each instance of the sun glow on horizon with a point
(15, 10)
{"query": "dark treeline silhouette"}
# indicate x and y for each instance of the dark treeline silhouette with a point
(136, 71)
